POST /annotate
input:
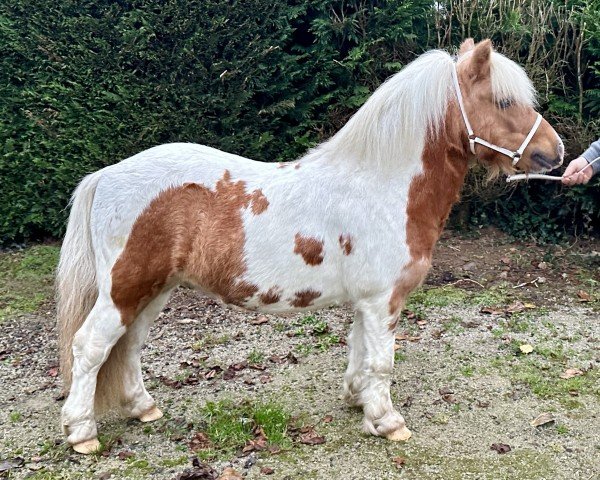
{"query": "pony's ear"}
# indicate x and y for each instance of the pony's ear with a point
(466, 46)
(479, 63)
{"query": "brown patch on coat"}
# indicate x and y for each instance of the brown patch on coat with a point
(304, 298)
(188, 233)
(430, 198)
(412, 276)
(273, 295)
(259, 202)
(346, 243)
(310, 248)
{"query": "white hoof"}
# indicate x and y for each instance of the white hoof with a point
(87, 447)
(153, 414)
(400, 435)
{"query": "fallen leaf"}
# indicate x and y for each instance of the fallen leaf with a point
(399, 461)
(200, 441)
(310, 436)
(500, 447)
(445, 391)
(570, 373)
(6, 465)
(401, 336)
(542, 419)
(327, 419)
(267, 471)
(516, 307)
(584, 296)
(259, 320)
(53, 371)
(230, 474)
(491, 311)
(526, 348)
(125, 454)
(397, 346)
(200, 471)
(291, 358)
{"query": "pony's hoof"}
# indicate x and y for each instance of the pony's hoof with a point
(87, 447)
(400, 435)
(153, 414)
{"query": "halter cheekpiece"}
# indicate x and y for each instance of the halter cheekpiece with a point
(473, 139)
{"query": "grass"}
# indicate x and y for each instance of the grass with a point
(230, 426)
(256, 357)
(450, 295)
(540, 371)
(310, 326)
(210, 340)
(26, 279)
(15, 417)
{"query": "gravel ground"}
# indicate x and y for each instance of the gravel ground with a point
(461, 381)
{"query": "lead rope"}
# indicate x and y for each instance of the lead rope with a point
(539, 176)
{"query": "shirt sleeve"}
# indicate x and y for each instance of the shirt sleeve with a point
(591, 153)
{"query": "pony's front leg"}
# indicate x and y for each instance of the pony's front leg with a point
(378, 331)
(91, 346)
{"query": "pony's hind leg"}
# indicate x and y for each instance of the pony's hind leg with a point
(354, 378)
(138, 402)
(380, 417)
(91, 347)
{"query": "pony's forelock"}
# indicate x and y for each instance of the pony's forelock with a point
(509, 81)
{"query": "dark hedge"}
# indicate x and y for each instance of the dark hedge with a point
(85, 84)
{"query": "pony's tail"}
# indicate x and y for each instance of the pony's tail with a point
(76, 290)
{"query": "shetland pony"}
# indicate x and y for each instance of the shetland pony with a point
(354, 220)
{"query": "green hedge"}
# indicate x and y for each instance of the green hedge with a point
(85, 84)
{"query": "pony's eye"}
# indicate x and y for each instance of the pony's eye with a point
(505, 103)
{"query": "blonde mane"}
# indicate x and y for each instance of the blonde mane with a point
(390, 129)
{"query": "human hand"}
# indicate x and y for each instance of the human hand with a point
(571, 177)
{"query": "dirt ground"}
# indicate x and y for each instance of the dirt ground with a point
(502, 332)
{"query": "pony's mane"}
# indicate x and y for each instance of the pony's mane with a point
(391, 128)
(392, 124)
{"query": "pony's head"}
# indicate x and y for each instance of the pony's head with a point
(499, 101)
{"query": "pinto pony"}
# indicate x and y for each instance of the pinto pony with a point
(354, 220)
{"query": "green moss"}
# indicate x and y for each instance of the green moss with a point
(437, 297)
(26, 279)
(174, 462)
(517, 464)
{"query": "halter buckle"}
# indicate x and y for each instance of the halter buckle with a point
(516, 157)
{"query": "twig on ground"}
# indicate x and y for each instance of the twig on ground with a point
(467, 280)
(532, 282)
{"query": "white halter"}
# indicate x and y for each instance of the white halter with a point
(473, 139)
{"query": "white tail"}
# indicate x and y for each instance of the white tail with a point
(76, 289)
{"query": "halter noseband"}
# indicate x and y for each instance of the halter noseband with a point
(473, 139)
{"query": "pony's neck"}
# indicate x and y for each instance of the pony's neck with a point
(433, 192)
